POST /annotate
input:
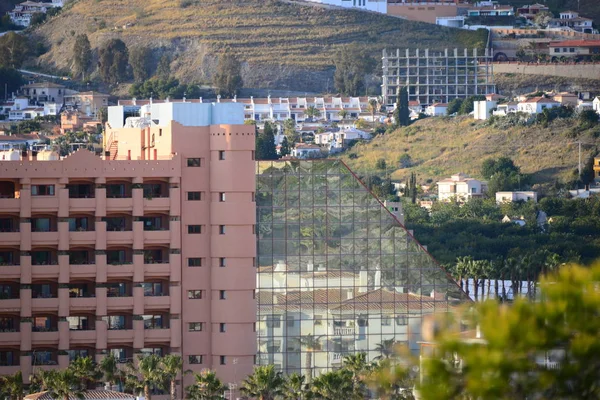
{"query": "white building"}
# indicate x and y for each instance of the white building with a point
(20, 109)
(536, 105)
(303, 150)
(379, 6)
(511, 197)
(482, 110)
(461, 188)
(505, 109)
(596, 104)
(436, 109)
(572, 20)
(45, 92)
(22, 13)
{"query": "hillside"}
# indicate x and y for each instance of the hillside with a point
(516, 84)
(279, 42)
(441, 146)
(588, 8)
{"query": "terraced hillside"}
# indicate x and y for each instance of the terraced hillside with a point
(279, 41)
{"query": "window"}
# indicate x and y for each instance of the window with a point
(318, 319)
(153, 289)
(253, 197)
(222, 295)
(194, 262)
(78, 224)
(194, 294)
(386, 320)
(42, 190)
(401, 320)
(222, 360)
(194, 162)
(221, 196)
(221, 229)
(194, 229)
(154, 322)
(273, 321)
(195, 327)
(221, 155)
(222, 262)
(40, 225)
(557, 50)
(572, 50)
(78, 323)
(222, 327)
(195, 359)
(194, 196)
(289, 321)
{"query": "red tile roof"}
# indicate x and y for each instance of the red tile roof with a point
(576, 43)
(86, 395)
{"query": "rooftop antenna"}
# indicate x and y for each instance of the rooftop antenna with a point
(184, 94)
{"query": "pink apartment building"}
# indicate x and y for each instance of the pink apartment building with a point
(150, 249)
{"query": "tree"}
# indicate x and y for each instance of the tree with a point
(37, 19)
(172, 365)
(310, 344)
(86, 371)
(264, 384)
(373, 108)
(358, 367)
(312, 112)
(82, 55)
(491, 166)
(391, 381)
(12, 385)
(10, 81)
(228, 76)
(285, 149)
(334, 385)
(454, 106)
(385, 348)
(559, 361)
(402, 113)
(140, 60)
(381, 164)
(543, 18)
(587, 172)
(588, 119)
(206, 387)
(63, 384)
(293, 387)
(351, 65)
(467, 105)
(163, 70)
(113, 59)
(152, 375)
(14, 49)
(343, 114)
(289, 130)
(265, 143)
(109, 366)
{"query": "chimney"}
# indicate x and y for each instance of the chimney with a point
(477, 332)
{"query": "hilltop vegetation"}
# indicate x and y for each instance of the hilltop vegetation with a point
(278, 41)
(438, 147)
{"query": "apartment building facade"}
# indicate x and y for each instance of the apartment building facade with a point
(437, 76)
(148, 251)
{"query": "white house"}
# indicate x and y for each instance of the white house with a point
(572, 20)
(536, 105)
(511, 197)
(379, 6)
(482, 110)
(45, 92)
(22, 13)
(505, 109)
(303, 150)
(461, 188)
(437, 109)
(596, 104)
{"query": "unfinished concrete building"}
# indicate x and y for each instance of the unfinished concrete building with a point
(437, 76)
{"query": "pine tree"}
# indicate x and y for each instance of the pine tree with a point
(265, 144)
(82, 55)
(228, 78)
(285, 148)
(113, 59)
(402, 106)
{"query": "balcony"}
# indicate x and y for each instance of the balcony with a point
(119, 237)
(44, 337)
(44, 271)
(157, 334)
(343, 331)
(82, 230)
(9, 265)
(157, 302)
(119, 204)
(82, 337)
(9, 231)
(44, 304)
(44, 238)
(119, 303)
(120, 335)
(157, 204)
(157, 270)
(9, 204)
(82, 204)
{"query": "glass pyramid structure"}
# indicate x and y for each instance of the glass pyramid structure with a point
(337, 272)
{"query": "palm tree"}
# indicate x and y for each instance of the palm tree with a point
(206, 387)
(264, 384)
(172, 365)
(109, 366)
(310, 343)
(12, 385)
(335, 385)
(40, 380)
(150, 369)
(385, 349)
(391, 381)
(343, 114)
(64, 384)
(358, 366)
(312, 112)
(86, 371)
(293, 387)
(373, 107)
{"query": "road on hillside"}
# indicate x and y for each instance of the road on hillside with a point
(24, 71)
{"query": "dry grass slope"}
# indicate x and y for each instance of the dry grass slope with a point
(442, 146)
(259, 31)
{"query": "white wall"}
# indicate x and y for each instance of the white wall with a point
(369, 5)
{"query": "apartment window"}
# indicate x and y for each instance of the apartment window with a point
(42, 190)
(194, 262)
(222, 360)
(289, 322)
(195, 327)
(318, 319)
(572, 50)
(221, 196)
(386, 320)
(222, 295)
(194, 294)
(194, 229)
(401, 320)
(194, 196)
(221, 261)
(194, 162)
(557, 50)
(221, 229)
(195, 359)
(221, 155)
(222, 327)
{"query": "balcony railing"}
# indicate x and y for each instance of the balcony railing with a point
(44, 329)
(343, 331)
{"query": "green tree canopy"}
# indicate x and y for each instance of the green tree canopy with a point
(140, 60)
(10, 80)
(265, 143)
(113, 59)
(454, 106)
(82, 54)
(352, 63)
(265, 383)
(228, 76)
(14, 49)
